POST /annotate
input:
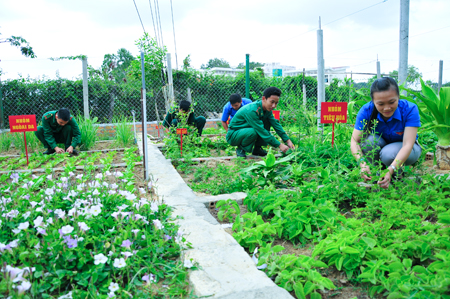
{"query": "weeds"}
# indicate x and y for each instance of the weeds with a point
(5, 141)
(88, 133)
(124, 131)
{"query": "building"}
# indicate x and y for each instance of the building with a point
(276, 69)
(330, 73)
(224, 71)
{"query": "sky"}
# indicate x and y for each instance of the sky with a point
(356, 33)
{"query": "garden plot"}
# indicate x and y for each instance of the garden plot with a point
(90, 233)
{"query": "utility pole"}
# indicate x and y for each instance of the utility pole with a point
(320, 73)
(441, 70)
(404, 38)
(247, 76)
(170, 78)
(378, 69)
(144, 120)
(85, 88)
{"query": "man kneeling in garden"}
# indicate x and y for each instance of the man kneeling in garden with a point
(173, 117)
(59, 127)
(249, 129)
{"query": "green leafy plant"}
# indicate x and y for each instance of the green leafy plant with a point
(88, 130)
(5, 141)
(124, 131)
(228, 209)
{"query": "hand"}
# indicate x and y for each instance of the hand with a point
(283, 148)
(59, 150)
(384, 183)
(69, 149)
(365, 172)
(290, 144)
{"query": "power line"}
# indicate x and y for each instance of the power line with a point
(323, 25)
(158, 15)
(153, 21)
(174, 40)
(137, 10)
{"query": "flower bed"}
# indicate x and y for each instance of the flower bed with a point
(87, 234)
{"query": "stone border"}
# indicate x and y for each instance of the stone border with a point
(226, 271)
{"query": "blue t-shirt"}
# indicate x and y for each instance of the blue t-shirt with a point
(228, 111)
(406, 115)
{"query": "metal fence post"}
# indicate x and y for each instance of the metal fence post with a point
(170, 78)
(85, 89)
(189, 97)
(247, 76)
(304, 89)
(441, 70)
(403, 46)
(144, 119)
(320, 74)
(2, 116)
(378, 70)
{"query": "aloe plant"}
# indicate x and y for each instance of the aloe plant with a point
(434, 110)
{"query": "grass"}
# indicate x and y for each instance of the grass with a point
(88, 133)
(124, 131)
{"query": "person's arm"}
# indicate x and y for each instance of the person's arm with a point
(280, 131)
(225, 125)
(409, 138)
(357, 153)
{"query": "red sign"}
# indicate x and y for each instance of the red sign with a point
(182, 131)
(333, 112)
(276, 114)
(22, 123)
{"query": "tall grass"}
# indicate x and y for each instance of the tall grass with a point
(33, 143)
(5, 141)
(124, 131)
(88, 132)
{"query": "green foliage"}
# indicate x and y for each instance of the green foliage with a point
(5, 141)
(228, 210)
(215, 62)
(252, 65)
(412, 76)
(124, 131)
(88, 130)
(20, 42)
(434, 111)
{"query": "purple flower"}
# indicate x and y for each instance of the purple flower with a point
(71, 243)
(126, 243)
(167, 237)
(27, 197)
(15, 177)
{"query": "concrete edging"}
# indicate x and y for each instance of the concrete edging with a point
(225, 269)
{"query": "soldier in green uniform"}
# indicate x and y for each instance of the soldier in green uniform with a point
(171, 119)
(59, 127)
(249, 129)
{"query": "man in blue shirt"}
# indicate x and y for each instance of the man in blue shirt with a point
(230, 108)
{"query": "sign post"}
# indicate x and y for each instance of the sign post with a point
(23, 123)
(333, 112)
(181, 131)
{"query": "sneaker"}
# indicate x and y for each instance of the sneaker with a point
(258, 151)
(49, 151)
(240, 153)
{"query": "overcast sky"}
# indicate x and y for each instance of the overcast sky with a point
(355, 33)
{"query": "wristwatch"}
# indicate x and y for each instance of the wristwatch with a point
(393, 167)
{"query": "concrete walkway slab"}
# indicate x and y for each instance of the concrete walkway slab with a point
(225, 270)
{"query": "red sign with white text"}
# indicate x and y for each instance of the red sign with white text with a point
(22, 123)
(182, 131)
(333, 112)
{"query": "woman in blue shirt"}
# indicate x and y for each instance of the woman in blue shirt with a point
(387, 127)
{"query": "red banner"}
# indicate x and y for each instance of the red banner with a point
(333, 112)
(182, 131)
(276, 114)
(22, 123)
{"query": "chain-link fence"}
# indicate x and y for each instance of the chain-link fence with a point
(209, 92)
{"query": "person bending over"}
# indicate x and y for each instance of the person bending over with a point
(59, 127)
(235, 103)
(249, 129)
(173, 117)
(386, 131)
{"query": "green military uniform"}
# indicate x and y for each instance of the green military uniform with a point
(172, 121)
(250, 127)
(51, 133)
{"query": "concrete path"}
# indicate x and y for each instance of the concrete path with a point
(226, 270)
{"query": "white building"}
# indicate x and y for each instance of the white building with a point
(224, 71)
(330, 73)
(275, 67)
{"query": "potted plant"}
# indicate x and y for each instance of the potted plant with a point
(434, 110)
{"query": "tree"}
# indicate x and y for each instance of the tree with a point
(252, 65)
(215, 62)
(187, 63)
(114, 66)
(412, 78)
(20, 42)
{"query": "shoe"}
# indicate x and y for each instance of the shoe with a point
(49, 151)
(240, 153)
(258, 151)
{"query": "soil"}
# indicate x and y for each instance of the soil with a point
(98, 146)
(428, 167)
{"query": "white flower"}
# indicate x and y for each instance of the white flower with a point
(188, 263)
(0, 222)
(26, 215)
(25, 286)
(119, 263)
(95, 210)
(37, 246)
(98, 176)
(49, 177)
(14, 243)
(16, 231)
(111, 230)
(33, 203)
(118, 174)
(24, 225)
(127, 254)
(122, 207)
(79, 176)
(158, 224)
(95, 192)
(111, 295)
(110, 253)
(83, 226)
(114, 186)
(38, 221)
(66, 296)
(50, 220)
(49, 191)
(100, 258)
(135, 231)
(108, 173)
(154, 207)
(64, 179)
(143, 237)
(112, 192)
(66, 229)
(141, 191)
